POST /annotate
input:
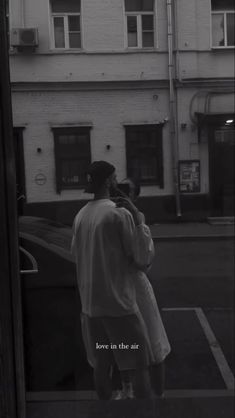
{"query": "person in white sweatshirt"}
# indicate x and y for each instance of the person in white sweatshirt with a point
(108, 243)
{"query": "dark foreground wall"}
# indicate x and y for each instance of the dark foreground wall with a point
(156, 209)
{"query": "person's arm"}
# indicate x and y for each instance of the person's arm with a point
(144, 247)
(73, 239)
(137, 236)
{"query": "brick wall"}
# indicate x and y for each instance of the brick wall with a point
(106, 111)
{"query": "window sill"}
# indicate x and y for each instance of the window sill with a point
(64, 189)
(51, 52)
(222, 48)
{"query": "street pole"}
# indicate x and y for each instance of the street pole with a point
(172, 104)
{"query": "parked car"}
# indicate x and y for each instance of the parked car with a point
(54, 353)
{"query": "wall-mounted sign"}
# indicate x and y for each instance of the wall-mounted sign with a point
(189, 176)
(40, 179)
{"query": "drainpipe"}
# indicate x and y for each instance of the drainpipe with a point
(173, 116)
(22, 5)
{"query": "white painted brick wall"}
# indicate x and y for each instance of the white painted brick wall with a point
(107, 111)
(105, 59)
(103, 30)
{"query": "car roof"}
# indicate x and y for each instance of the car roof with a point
(47, 230)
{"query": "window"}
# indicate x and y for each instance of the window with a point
(222, 23)
(144, 153)
(66, 26)
(139, 23)
(72, 157)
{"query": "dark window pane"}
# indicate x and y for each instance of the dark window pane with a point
(59, 32)
(230, 29)
(147, 22)
(138, 5)
(73, 144)
(72, 172)
(132, 31)
(75, 40)
(63, 139)
(132, 5)
(132, 24)
(148, 40)
(65, 6)
(74, 23)
(72, 153)
(144, 169)
(218, 30)
(144, 154)
(222, 4)
(147, 5)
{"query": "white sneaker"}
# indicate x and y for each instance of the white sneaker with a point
(119, 395)
(126, 393)
(129, 393)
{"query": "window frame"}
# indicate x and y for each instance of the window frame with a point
(158, 129)
(59, 158)
(65, 16)
(224, 12)
(139, 15)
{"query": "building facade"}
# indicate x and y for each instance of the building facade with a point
(146, 85)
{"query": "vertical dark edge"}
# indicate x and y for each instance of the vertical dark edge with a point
(160, 157)
(10, 280)
(19, 132)
(57, 161)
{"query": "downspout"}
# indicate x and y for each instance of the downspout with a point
(173, 116)
(22, 5)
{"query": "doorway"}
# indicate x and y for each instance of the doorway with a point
(221, 164)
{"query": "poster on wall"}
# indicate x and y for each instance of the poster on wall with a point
(189, 176)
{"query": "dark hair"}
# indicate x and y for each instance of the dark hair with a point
(135, 183)
(97, 173)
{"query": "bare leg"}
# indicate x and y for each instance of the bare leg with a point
(157, 373)
(103, 380)
(126, 376)
(141, 383)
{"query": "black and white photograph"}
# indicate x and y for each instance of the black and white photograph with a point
(117, 134)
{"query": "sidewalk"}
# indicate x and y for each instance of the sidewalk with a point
(191, 407)
(194, 230)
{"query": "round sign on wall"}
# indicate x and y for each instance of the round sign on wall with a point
(40, 179)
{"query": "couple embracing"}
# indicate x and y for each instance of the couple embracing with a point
(121, 323)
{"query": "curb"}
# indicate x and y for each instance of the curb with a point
(192, 237)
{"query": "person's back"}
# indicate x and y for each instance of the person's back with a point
(103, 248)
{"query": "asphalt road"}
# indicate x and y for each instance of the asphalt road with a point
(189, 278)
(194, 273)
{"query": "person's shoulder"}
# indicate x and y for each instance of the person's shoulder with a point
(81, 212)
(123, 214)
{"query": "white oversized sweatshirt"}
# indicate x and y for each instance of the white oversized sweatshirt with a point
(107, 247)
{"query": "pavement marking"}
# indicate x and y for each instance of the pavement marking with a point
(214, 345)
(216, 350)
(179, 309)
(198, 393)
(173, 393)
(90, 395)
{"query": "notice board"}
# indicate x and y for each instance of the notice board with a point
(189, 176)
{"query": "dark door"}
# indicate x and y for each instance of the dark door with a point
(221, 149)
(20, 170)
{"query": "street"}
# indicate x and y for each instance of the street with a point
(193, 284)
(194, 273)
